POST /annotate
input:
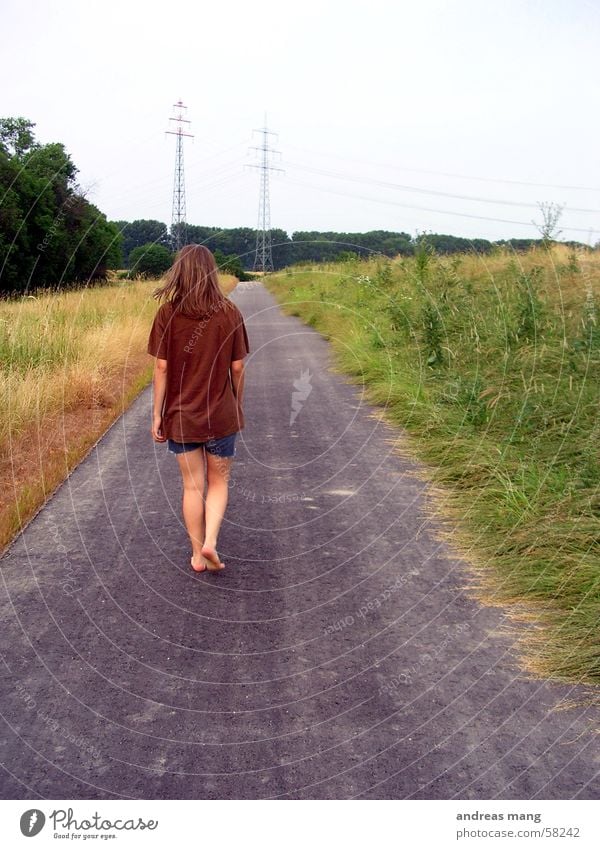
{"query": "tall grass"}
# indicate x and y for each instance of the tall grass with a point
(491, 364)
(66, 354)
(61, 351)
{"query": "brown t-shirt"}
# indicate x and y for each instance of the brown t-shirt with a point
(200, 403)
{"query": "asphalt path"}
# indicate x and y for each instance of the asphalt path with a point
(338, 655)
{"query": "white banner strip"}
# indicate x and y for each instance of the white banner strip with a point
(287, 823)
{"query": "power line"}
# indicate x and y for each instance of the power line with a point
(397, 167)
(178, 214)
(418, 190)
(223, 186)
(140, 190)
(263, 258)
(429, 209)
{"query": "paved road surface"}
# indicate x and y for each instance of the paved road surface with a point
(337, 656)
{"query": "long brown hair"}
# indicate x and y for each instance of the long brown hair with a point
(192, 282)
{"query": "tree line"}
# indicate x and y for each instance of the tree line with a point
(50, 235)
(236, 246)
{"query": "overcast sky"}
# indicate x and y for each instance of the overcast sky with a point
(455, 117)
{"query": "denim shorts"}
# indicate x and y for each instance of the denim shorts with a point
(223, 447)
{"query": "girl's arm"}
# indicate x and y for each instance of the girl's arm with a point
(237, 379)
(159, 384)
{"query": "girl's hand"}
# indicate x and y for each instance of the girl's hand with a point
(157, 434)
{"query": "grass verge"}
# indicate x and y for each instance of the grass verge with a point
(491, 365)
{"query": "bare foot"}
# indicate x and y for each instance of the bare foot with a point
(213, 564)
(198, 563)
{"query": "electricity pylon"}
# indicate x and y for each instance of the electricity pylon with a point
(263, 258)
(178, 213)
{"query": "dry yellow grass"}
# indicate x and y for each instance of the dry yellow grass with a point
(69, 364)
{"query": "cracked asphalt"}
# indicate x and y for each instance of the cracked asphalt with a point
(338, 655)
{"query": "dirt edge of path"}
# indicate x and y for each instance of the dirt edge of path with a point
(44, 455)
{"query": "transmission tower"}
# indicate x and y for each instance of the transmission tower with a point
(178, 214)
(263, 258)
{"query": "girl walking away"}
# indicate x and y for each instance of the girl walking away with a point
(199, 340)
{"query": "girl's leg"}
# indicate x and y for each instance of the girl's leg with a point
(191, 465)
(217, 472)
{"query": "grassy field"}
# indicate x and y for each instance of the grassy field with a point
(491, 364)
(69, 365)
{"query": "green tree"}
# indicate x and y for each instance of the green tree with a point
(150, 260)
(50, 235)
(141, 232)
(230, 265)
(16, 136)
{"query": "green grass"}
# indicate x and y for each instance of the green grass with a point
(492, 366)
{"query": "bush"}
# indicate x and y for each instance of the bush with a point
(150, 260)
(231, 264)
(347, 256)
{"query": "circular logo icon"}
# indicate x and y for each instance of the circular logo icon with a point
(32, 822)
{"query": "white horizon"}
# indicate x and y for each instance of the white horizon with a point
(373, 112)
